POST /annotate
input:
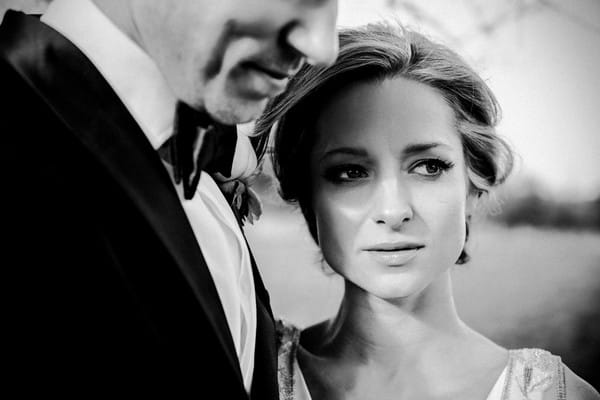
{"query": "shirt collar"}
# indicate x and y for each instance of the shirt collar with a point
(129, 70)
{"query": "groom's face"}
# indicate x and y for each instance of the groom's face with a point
(231, 56)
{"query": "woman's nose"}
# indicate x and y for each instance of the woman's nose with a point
(392, 204)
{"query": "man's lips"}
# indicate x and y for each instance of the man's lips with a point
(272, 71)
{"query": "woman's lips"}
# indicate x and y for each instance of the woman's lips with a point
(394, 254)
(393, 258)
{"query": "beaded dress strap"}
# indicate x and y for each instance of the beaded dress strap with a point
(531, 373)
(288, 338)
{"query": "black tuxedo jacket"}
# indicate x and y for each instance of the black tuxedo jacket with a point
(106, 287)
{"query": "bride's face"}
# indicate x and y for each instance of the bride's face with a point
(390, 189)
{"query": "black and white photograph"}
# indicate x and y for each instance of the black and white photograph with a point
(301, 199)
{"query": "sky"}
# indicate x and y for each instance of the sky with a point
(542, 66)
(540, 63)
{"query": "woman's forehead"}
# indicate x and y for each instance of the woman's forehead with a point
(393, 112)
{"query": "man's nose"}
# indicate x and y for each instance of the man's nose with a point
(314, 33)
(393, 206)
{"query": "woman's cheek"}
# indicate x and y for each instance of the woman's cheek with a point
(444, 216)
(339, 215)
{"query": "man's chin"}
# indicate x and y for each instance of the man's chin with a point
(236, 111)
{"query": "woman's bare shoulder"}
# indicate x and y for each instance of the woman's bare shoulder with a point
(578, 389)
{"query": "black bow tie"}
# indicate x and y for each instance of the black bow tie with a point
(198, 144)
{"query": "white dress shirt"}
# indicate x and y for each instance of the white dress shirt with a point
(141, 87)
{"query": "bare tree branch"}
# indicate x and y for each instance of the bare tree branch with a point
(426, 18)
(510, 14)
(559, 9)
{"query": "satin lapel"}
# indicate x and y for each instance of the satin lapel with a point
(261, 291)
(264, 381)
(79, 95)
(259, 286)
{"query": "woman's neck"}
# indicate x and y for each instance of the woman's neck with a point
(396, 329)
(390, 345)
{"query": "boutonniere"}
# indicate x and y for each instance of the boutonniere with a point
(242, 198)
(236, 188)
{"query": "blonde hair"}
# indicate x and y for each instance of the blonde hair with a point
(376, 52)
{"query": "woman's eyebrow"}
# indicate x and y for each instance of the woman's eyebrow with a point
(417, 148)
(411, 149)
(352, 151)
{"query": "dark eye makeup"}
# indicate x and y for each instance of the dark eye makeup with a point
(350, 173)
(431, 167)
(345, 173)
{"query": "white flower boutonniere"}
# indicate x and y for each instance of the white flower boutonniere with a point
(243, 199)
(236, 188)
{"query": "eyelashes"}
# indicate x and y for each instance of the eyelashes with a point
(345, 173)
(431, 168)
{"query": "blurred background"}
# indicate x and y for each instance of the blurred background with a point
(534, 277)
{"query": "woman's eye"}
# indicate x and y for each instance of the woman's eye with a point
(432, 167)
(352, 173)
(346, 173)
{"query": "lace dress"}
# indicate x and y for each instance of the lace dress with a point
(530, 374)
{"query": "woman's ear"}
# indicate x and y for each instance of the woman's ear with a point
(470, 207)
(473, 201)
